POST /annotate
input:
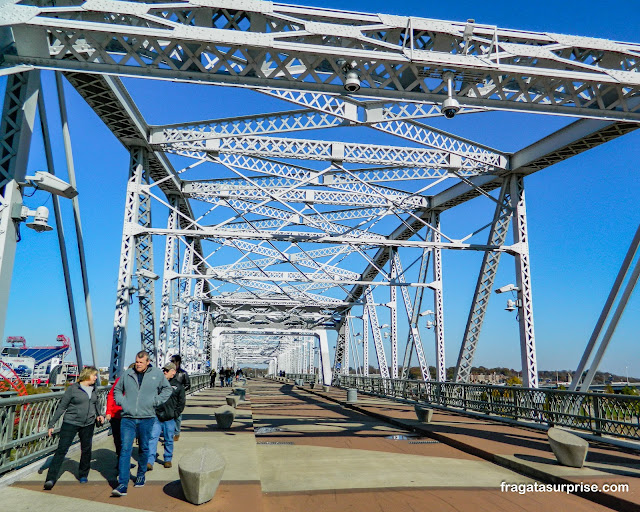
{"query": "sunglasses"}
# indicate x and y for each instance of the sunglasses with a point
(166, 371)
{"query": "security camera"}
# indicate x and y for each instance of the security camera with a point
(450, 107)
(40, 218)
(143, 272)
(352, 82)
(511, 305)
(508, 288)
(45, 181)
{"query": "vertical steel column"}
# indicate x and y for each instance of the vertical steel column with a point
(184, 296)
(438, 302)
(325, 364)
(377, 338)
(393, 303)
(16, 129)
(488, 270)
(414, 340)
(75, 203)
(523, 280)
(127, 261)
(365, 342)
(144, 261)
(171, 266)
(342, 351)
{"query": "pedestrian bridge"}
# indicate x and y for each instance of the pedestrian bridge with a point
(292, 448)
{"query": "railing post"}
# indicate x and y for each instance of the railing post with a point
(464, 397)
(597, 413)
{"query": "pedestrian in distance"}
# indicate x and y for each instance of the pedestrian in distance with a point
(212, 375)
(165, 421)
(139, 391)
(222, 377)
(80, 408)
(183, 378)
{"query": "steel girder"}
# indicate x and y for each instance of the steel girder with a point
(124, 290)
(315, 49)
(498, 233)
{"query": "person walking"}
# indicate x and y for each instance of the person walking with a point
(165, 421)
(212, 375)
(222, 377)
(114, 417)
(79, 404)
(183, 378)
(139, 391)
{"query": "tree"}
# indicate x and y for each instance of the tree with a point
(514, 381)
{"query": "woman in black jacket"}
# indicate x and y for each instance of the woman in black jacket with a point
(79, 405)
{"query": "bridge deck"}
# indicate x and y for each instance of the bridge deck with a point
(325, 456)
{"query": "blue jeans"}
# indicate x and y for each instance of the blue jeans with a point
(167, 428)
(178, 422)
(130, 428)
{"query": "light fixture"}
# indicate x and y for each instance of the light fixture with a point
(384, 326)
(352, 79)
(425, 313)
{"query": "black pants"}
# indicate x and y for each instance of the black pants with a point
(115, 430)
(213, 382)
(67, 433)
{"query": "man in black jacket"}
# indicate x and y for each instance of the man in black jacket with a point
(183, 378)
(166, 415)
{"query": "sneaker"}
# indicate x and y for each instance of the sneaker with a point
(121, 490)
(176, 437)
(149, 467)
(83, 480)
(139, 481)
(167, 464)
(48, 485)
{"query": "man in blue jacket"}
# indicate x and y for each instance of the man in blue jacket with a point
(139, 391)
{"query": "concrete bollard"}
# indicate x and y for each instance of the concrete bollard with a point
(232, 400)
(325, 389)
(200, 474)
(352, 395)
(569, 449)
(225, 416)
(424, 414)
(241, 392)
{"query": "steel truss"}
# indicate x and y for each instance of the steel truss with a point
(295, 236)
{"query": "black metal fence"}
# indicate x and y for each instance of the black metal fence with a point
(23, 424)
(598, 413)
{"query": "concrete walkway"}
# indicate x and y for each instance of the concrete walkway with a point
(300, 450)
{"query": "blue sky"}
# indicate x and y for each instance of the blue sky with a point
(582, 212)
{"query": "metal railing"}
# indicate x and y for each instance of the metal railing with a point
(598, 413)
(23, 424)
(307, 378)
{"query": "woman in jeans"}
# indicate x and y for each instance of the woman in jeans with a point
(79, 405)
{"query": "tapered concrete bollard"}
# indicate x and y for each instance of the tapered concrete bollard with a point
(424, 414)
(352, 395)
(232, 400)
(569, 449)
(225, 416)
(241, 392)
(200, 474)
(325, 389)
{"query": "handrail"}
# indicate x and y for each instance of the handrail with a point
(598, 413)
(23, 424)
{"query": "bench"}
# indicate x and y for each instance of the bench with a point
(424, 414)
(200, 474)
(569, 449)
(225, 416)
